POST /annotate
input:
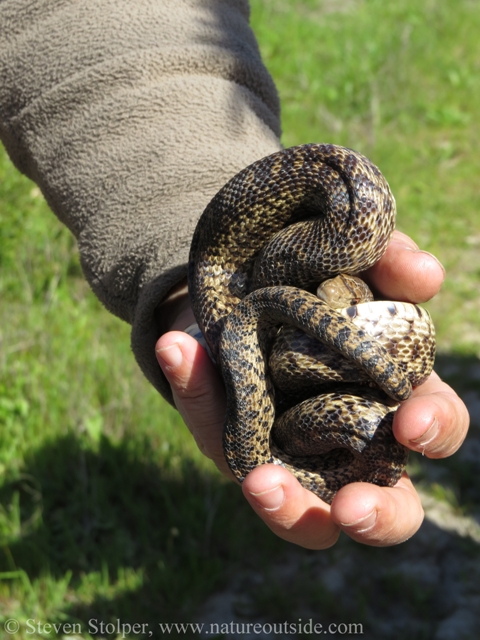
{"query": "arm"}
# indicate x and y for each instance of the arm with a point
(130, 117)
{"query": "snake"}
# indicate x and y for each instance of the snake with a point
(312, 383)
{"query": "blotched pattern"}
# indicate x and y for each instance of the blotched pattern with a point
(265, 241)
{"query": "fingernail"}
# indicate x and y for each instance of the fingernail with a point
(429, 435)
(270, 500)
(171, 357)
(427, 253)
(411, 246)
(366, 523)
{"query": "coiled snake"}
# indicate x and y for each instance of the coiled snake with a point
(263, 244)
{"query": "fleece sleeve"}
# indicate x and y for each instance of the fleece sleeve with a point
(130, 115)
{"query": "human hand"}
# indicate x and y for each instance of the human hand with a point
(433, 421)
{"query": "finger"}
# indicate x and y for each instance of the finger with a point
(290, 511)
(405, 272)
(434, 421)
(378, 516)
(197, 391)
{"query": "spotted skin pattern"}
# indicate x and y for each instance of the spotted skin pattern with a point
(265, 241)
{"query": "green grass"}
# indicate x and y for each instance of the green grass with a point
(106, 505)
(107, 508)
(398, 81)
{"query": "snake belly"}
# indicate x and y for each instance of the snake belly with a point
(262, 245)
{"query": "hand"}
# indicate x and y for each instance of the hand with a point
(433, 421)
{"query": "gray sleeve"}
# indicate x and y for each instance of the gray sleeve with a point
(130, 116)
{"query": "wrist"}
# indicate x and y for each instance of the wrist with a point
(175, 313)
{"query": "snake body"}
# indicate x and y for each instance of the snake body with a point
(262, 245)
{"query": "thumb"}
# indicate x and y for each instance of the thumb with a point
(197, 390)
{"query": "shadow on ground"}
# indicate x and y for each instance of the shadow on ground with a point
(109, 511)
(199, 554)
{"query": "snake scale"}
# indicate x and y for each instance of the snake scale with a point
(267, 239)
